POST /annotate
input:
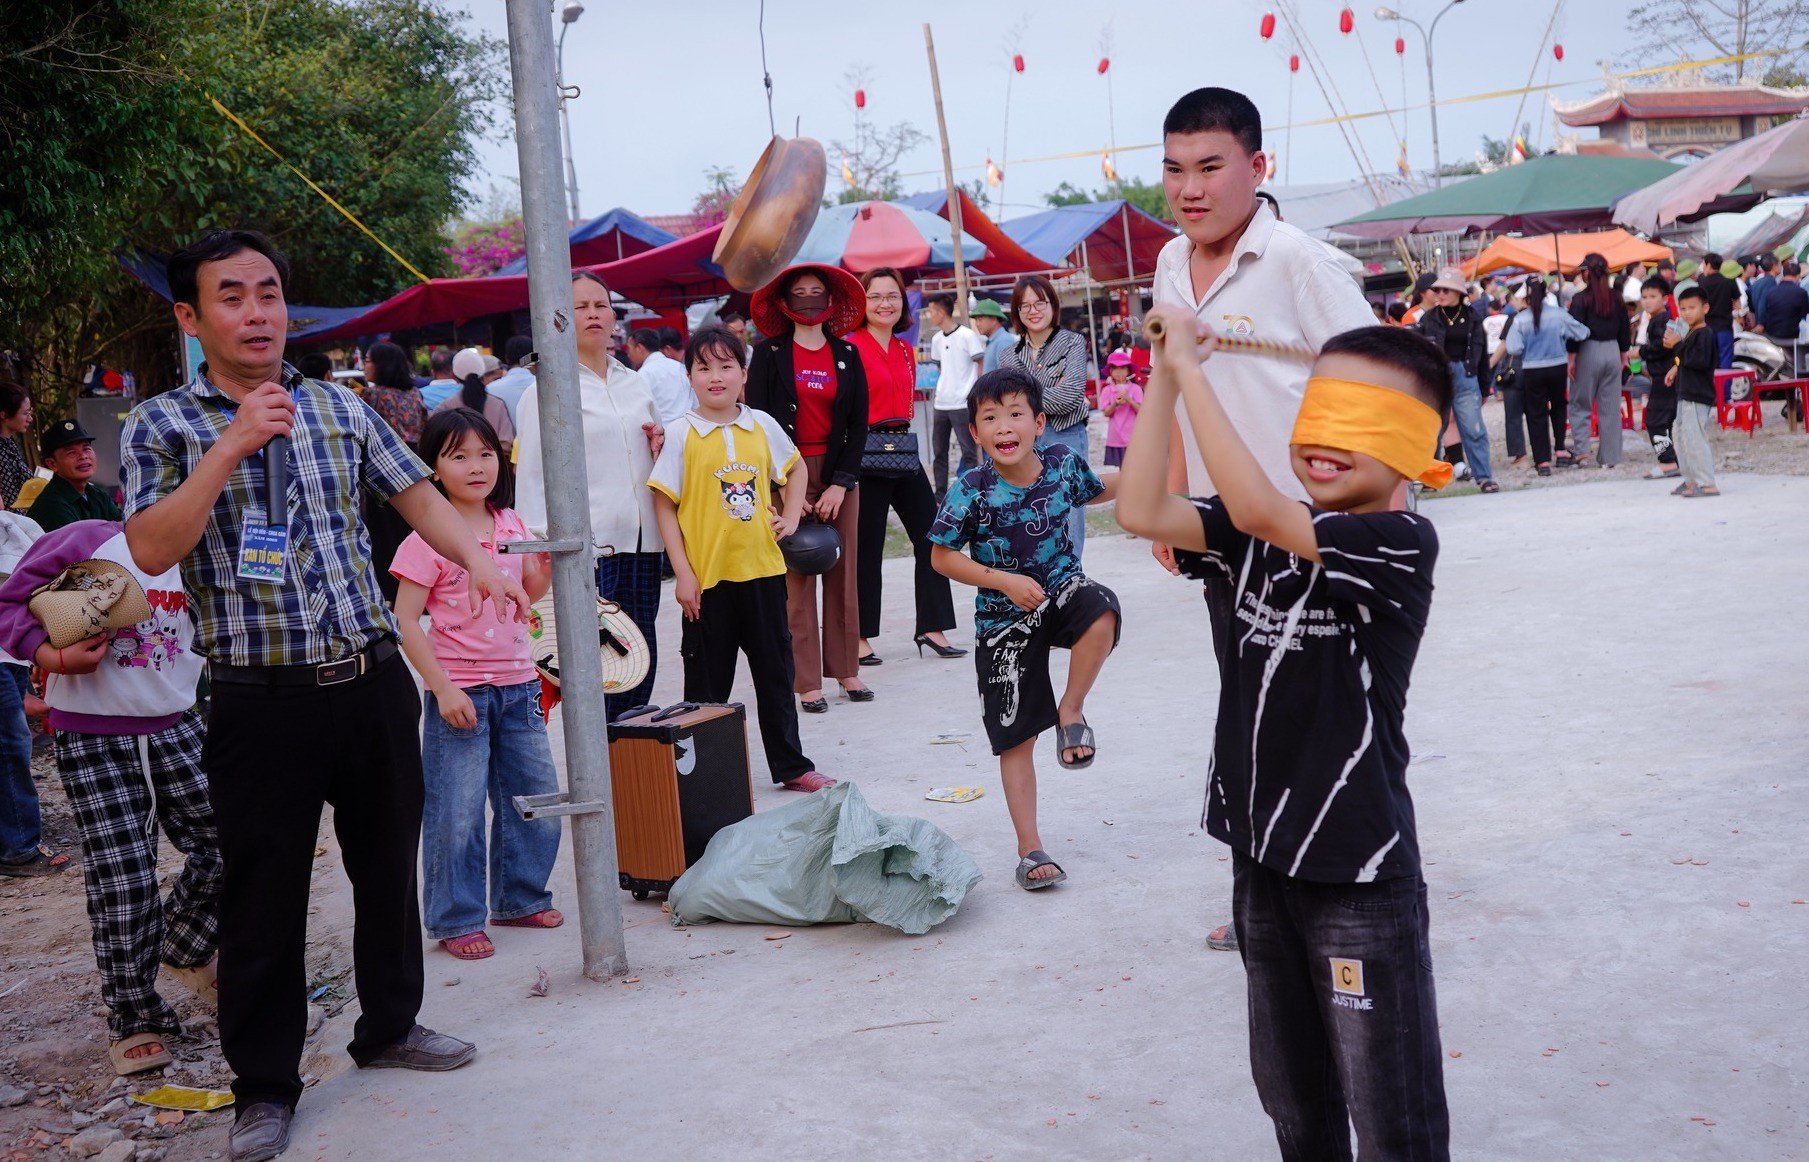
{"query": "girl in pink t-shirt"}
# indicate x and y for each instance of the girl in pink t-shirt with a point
(484, 738)
(1120, 399)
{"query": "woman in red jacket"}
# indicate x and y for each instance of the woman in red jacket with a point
(891, 401)
(810, 379)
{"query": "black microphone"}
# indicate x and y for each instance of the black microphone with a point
(276, 473)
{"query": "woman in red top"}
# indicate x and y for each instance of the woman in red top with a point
(812, 382)
(891, 401)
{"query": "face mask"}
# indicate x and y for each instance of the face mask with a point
(808, 320)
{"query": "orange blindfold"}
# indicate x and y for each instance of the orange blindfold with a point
(1389, 425)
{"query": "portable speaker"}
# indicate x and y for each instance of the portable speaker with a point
(679, 775)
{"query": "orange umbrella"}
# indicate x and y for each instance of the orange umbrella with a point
(1566, 251)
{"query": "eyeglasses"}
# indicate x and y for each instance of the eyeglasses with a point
(1029, 305)
(891, 298)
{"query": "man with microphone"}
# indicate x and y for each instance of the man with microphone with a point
(250, 478)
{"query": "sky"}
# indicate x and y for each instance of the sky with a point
(672, 88)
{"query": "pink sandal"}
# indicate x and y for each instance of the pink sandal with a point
(809, 781)
(549, 918)
(465, 947)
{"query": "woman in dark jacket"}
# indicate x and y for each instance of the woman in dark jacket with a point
(1456, 328)
(1596, 383)
(391, 392)
(811, 380)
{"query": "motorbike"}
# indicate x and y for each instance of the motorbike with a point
(1766, 360)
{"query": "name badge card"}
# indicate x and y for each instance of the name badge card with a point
(262, 552)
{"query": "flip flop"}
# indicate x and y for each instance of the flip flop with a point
(203, 980)
(1073, 736)
(1222, 939)
(42, 863)
(126, 1066)
(548, 918)
(463, 946)
(1029, 863)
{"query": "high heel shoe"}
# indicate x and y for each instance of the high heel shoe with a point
(924, 642)
(863, 694)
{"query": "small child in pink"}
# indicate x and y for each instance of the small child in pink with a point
(484, 737)
(1120, 398)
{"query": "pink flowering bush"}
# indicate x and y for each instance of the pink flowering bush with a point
(487, 247)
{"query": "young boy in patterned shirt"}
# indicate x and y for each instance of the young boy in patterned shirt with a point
(1308, 782)
(1011, 512)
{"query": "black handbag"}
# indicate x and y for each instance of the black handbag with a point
(891, 451)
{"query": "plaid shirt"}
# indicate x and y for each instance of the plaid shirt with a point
(328, 606)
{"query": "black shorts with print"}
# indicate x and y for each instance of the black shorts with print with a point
(1017, 700)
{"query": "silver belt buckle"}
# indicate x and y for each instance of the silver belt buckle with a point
(344, 670)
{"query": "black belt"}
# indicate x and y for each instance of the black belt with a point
(324, 674)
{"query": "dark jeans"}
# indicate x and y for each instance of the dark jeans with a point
(21, 828)
(274, 756)
(941, 425)
(748, 617)
(1513, 402)
(916, 507)
(1724, 349)
(1546, 401)
(1661, 412)
(1343, 1020)
(632, 580)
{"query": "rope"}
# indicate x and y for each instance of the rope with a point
(766, 75)
(330, 200)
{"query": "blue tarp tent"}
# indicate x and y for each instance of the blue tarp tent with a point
(148, 267)
(1058, 237)
(608, 237)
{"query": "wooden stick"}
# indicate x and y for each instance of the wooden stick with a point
(948, 177)
(1153, 330)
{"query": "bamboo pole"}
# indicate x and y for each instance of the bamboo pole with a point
(948, 177)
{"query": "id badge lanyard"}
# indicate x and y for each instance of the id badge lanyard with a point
(264, 535)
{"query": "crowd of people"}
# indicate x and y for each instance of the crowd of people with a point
(1560, 352)
(189, 635)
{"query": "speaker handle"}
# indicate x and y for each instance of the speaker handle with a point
(674, 710)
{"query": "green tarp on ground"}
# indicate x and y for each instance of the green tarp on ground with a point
(828, 858)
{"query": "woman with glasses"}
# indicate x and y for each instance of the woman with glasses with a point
(811, 380)
(1058, 359)
(891, 371)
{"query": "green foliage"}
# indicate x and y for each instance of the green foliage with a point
(380, 102)
(1146, 196)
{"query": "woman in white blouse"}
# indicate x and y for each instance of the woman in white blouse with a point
(622, 435)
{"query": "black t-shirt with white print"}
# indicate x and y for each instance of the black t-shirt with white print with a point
(1316, 672)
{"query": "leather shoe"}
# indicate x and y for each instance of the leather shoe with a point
(261, 1132)
(426, 1050)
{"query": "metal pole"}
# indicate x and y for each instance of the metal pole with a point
(565, 130)
(1438, 176)
(1092, 326)
(568, 490)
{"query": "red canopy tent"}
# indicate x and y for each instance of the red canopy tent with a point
(1003, 255)
(666, 277)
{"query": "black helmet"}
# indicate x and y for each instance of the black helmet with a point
(814, 548)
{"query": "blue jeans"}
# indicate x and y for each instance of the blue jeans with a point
(1466, 403)
(1343, 1019)
(1075, 438)
(1724, 350)
(20, 826)
(504, 755)
(632, 580)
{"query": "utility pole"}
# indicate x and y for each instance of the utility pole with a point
(567, 496)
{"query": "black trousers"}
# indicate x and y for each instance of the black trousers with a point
(274, 756)
(1661, 411)
(388, 529)
(911, 498)
(1547, 400)
(749, 617)
(1343, 1016)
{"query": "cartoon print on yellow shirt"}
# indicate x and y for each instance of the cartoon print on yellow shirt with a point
(740, 499)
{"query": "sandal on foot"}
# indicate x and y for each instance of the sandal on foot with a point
(1029, 863)
(1661, 474)
(547, 918)
(863, 694)
(1222, 939)
(1708, 490)
(1684, 489)
(42, 863)
(1543, 469)
(203, 980)
(808, 781)
(126, 1066)
(1074, 736)
(1489, 486)
(465, 947)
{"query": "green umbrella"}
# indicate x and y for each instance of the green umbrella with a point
(1542, 195)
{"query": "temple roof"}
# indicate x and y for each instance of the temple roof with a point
(1696, 101)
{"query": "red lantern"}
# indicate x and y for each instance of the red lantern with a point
(1105, 62)
(1017, 61)
(1346, 21)
(1293, 64)
(1557, 50)
(1400, 46)
(860, 98)
(1267, 28)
